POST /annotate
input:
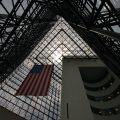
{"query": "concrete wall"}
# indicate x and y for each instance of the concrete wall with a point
(75, 105)
(8, 115)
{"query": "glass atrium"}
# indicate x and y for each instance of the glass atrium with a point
(51, 29)
(60, 41)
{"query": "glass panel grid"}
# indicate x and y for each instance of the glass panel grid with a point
(60, 41)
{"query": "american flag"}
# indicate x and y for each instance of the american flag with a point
(37, 81)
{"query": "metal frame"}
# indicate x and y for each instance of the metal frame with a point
(19, 30)
(100, 21)
(24, 25)
(63, 40)
(36, 19)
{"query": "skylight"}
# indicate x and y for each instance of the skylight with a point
(60, 41)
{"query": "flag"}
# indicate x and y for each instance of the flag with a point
(37, 81)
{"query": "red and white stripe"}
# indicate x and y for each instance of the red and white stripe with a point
(36, 84)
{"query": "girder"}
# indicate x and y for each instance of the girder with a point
(100, 20)
(24, 25)
(20, 33)
(25, 22)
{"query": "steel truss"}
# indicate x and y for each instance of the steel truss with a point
(20, 29)
(100, 21)
(27, 22)
(60, 41)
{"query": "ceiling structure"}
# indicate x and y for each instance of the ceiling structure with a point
(60, 41)
(96, 21)
(42, 32)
